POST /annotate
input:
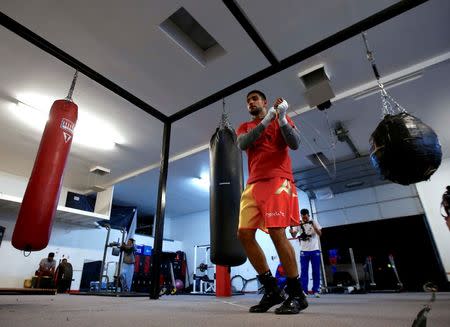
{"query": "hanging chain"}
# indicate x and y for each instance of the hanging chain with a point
(386, 99)
(225, 122)
(333, 138)
(72, 86)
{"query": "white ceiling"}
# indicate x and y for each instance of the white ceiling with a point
(123, 43)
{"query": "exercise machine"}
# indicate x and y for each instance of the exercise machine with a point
(109, 286)
(202, 281)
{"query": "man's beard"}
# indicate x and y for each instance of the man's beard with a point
(255, 111)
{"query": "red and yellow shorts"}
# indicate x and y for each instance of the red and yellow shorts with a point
(269, 203)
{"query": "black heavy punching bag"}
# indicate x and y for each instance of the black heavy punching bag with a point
(227, 182)
(404, 149)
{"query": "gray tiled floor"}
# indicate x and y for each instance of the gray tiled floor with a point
(184, 310)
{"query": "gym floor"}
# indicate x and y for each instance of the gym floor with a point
(367, 310)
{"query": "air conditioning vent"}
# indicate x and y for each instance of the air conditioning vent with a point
(354, 184)
(318, 91)
(318, 159)
(99, 170)
(187, 33)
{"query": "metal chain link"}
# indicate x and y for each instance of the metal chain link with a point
(72, 86)
(389, 105)
(225, 122)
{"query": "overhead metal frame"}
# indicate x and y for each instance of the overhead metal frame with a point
(274, 68)
(51, 49)
(339, 37)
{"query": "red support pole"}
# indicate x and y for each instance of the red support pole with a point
(223, 281)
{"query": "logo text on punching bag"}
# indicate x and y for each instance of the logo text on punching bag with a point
(68, 126)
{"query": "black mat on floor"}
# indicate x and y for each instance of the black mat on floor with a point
(27, 291)
(212, 294)
(118, 294)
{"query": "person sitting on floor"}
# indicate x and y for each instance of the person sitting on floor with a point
(47, 266)
(46, 270)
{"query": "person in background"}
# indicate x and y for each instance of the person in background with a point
(280, 275)
(310, 250)
(126, 277)
(65, 274)
(46, 269)
(446, 205)
(47, 266)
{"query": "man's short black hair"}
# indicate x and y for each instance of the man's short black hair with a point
(51, 254)
(304, 212)
(262, 95)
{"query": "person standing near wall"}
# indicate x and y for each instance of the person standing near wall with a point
(126, 277)
(65, 274)
(310, 232)
(446, 205)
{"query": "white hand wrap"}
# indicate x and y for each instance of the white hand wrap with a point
(271, 114)
(282, 108)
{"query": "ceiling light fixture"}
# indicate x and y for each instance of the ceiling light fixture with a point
(354, 184)
(393, 83)
(324, 193)
(202, 181)
(32, 117)
(89, 130)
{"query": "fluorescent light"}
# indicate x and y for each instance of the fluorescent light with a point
(90, 131)
(36, 101)
(202, 181)
(393, 83)
(324, 193)
(354, 184)
(93, 132)
(32, 117)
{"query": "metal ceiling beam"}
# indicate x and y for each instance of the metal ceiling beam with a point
(48, 47)
(240, 16)
(339, 37)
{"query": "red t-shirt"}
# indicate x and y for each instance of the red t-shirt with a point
(268, 156)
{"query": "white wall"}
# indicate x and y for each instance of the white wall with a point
(190, 230)
(374, 203)
(16, 185)
(430, 194)
(391, 201)
(303, 200)
(78, 244)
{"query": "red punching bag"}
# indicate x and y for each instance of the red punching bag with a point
(35, 220)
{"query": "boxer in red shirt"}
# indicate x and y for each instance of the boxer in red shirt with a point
(269, 201)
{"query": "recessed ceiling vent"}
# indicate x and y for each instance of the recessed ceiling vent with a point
(318, 159)
(354, 184)
(324, 193)
(318, 91)
(187, 33)
(99, 170)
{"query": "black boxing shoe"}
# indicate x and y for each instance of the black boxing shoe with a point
(292, 305)
(269, 299)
